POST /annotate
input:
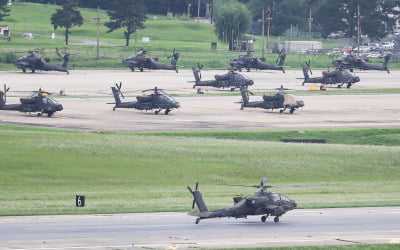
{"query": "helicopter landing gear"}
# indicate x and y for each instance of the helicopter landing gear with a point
(167, 111)
(264, 218)
(24, 70)
(292, 110)
(50, 114)
(232, 89)
(197, 220)
(114, 109)
(156, 112)
(39, 114)
(276, 219)
(141, 69)
(348, 85)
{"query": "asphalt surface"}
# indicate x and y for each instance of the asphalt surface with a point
(198, 113)
(178, 230)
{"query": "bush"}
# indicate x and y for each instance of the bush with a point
(10, 58)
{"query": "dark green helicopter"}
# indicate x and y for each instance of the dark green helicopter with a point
(38, 103)
(280, 100)
(260, 203)
(34, 62)
(157, 100)
(231, 79)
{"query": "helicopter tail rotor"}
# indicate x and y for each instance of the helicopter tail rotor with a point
(281, 58)
(200, 66)
(198, 199)
(119, 86)
(3, 95)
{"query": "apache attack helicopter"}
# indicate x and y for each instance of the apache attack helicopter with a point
(37, 102)
(249, 61)
(280, 101)
(260, 203)
(231, 79)
(34, 62)
(141, 61)
(158, 100)
(340, 76)
(352, 61)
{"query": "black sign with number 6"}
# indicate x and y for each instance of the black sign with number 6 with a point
(80, 201)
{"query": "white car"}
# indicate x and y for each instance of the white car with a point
(362, 49)
(387, 45)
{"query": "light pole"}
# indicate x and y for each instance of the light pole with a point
(262, 21)
(269, 18)
(98, 32)
(358, 28)
(310, 20)
(189, 5)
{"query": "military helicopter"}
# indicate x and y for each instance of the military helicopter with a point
(37, 102)
(231, 79)
(260, 203)
(141, 61)
(340, 76)
(280, 101)
(249, 61)
(352, 61)
(158, 100)
(34, 62)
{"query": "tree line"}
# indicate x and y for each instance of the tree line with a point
(232, 18)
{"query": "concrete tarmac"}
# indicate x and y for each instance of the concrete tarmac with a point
(199, 113)
(305, 227)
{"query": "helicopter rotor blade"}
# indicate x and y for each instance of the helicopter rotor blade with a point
(200, 66)
(308, 66)
(119, 89)
(5, 92)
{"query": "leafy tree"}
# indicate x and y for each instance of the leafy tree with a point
(284, 13)
(334, 15)
(3, 9)
(231, 21)
(67, 17)
(129, 14)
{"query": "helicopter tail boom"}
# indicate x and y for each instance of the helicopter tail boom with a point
(116, 96)
(245, 97)
(198, 199)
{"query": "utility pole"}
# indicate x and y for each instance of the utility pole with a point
(188, 12)
(262, 21)
(269, 18)
(98, 18)
(358, 28)
(198, 8)
(310, 20)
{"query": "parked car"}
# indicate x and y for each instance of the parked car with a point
(336, 35)
(374, 46)
(347, 49)
(387, 45)
(29, 36)
(362, 49)
(334, 51)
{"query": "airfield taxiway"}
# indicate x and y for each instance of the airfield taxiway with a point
(91, 112)
(178, 231)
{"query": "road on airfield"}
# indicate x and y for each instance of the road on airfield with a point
(91, 111)
(177, 230)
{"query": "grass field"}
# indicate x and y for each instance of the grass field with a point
(42, 171)
(191, 39)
